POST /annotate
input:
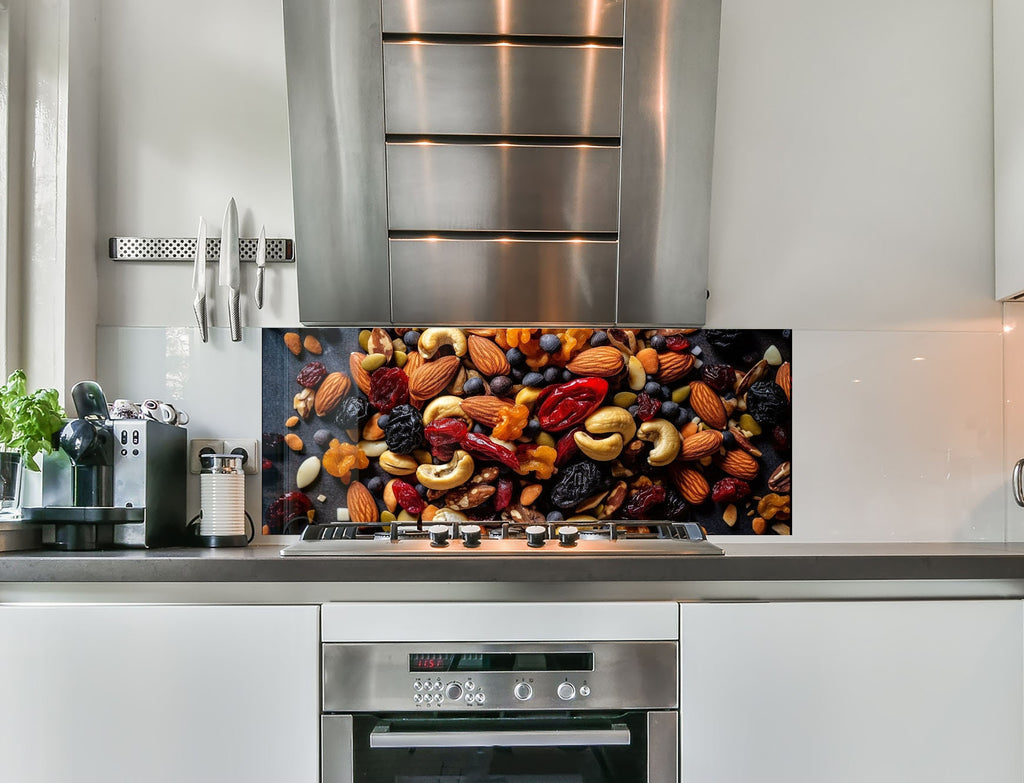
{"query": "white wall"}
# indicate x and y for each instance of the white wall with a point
(852, 203)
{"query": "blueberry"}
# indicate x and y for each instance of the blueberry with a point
(659, 343)
(322, 438)
(501, 385)
(515, 356)
(652, 389)
(479, 429)
(552, 374)
(421, 490)
(375, 485)
(382, 420)
(473, 386)
(599, 338)
(566, 376)
(555, 516)
(533, 379)
(518, 374)
(411, 338)
(684, 417)
(669, 410)
(550, 343)
(728, 439)
(666, 392)
(633, 410)
(532, 428)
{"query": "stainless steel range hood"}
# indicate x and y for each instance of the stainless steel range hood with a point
(502, 161)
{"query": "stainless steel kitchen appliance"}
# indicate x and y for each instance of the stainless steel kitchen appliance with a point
(502, 161)
(529, 711)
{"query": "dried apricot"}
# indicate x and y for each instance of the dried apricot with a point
(342, 458)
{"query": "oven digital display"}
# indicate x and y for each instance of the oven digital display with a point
(502, 662)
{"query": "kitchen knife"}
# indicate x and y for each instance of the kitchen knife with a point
(229, 275)
(199, 281)
(261, 262)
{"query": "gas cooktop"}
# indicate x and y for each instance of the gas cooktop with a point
(466, 539)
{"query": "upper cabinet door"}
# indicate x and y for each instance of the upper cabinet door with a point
(1008, 107)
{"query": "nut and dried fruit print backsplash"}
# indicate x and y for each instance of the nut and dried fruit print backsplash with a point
(528, 425)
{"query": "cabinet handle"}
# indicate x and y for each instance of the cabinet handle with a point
(1018, 486)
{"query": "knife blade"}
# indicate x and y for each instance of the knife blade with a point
(261, 262)
(199, 281)
(229, 273)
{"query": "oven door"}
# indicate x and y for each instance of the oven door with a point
(631, 747)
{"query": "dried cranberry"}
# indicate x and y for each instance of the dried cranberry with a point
(566, 448)
(280, 514)
(443, 435)
(643, 500)
(503, 496)
(407, 497)
(647, 406)
(389, 387)
(267, 464)
(780, 437)
(720, 377)
(676, 342)
(729, 490)
(311, 375)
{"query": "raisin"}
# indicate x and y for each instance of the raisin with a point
(730, 490)
(643, 500)
(287, 508)
(719, 377)
(273, 444)
(767, 403)
(729, 342)
(780, 437)
(577, 483)
(647, 406)
(311, 375)
(407, 497)
(676, 342)
(352, 412)
(404, 430)
(389, 387)
(675, 506)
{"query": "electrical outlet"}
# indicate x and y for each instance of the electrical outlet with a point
(249, 448)
(198, 446)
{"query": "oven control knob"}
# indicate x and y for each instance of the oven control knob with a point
(568, 535)
(453, 692)
(584, 690)
(566, 691)
(535, 535)
(522, 691)
(438, 535)
(470, 535)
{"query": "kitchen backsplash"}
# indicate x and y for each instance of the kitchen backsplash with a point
(525, 425)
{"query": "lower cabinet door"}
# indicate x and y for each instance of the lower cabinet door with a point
(856, 692)
(161, 694)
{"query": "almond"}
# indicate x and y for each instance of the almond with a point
(487, 356)
(739, 464)
(784, 379)
(701, 444)
(359, 375)
(334, 387)
(430, 378)
(707, 404)
(649, 359)
(691, 484)
(294, 342)
(361, 506)
(484, 408)
(744, 443)
(673, 366)
(413, 360)
(312, 345)
(754, 374)
(603, 362)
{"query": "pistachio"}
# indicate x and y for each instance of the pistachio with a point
(364, 339)
(681, 395)
(373, 361)
(624, 399)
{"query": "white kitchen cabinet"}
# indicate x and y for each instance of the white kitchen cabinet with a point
(1008, 131)
(926, 691)
(161, 694)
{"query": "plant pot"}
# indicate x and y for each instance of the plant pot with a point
(11, 470)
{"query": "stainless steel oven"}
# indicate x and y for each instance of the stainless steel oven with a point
(517, 712)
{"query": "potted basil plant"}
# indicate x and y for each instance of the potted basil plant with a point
(28, 423)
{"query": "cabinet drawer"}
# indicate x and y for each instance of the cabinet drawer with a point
(502, 89)
(502, 281)
(602, 18)
(502, 187)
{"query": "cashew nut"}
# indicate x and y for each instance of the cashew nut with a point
(600, 449)
(444, 407)
(457, 471)
(436, 336)
(373, 448)
(527, 396)
(611, 418)
(398, 464)
(665, 438)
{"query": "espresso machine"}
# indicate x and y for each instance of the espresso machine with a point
(112, 483)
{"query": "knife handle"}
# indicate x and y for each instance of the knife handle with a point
(234, 318)
(258, 294)
(199, 306)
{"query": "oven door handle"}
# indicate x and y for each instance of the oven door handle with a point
(383, 737)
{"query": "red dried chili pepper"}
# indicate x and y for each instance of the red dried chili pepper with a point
(389, 388)
(568, 404)
(407, 497)
(485, 448)
(445, 432)
(566, 448)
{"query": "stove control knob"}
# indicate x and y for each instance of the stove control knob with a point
(584, 690)
(535, 535)
(453, 692)
(470, 535)
(566, 691)
(568, 535)
(438, 535)
(522, 691)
